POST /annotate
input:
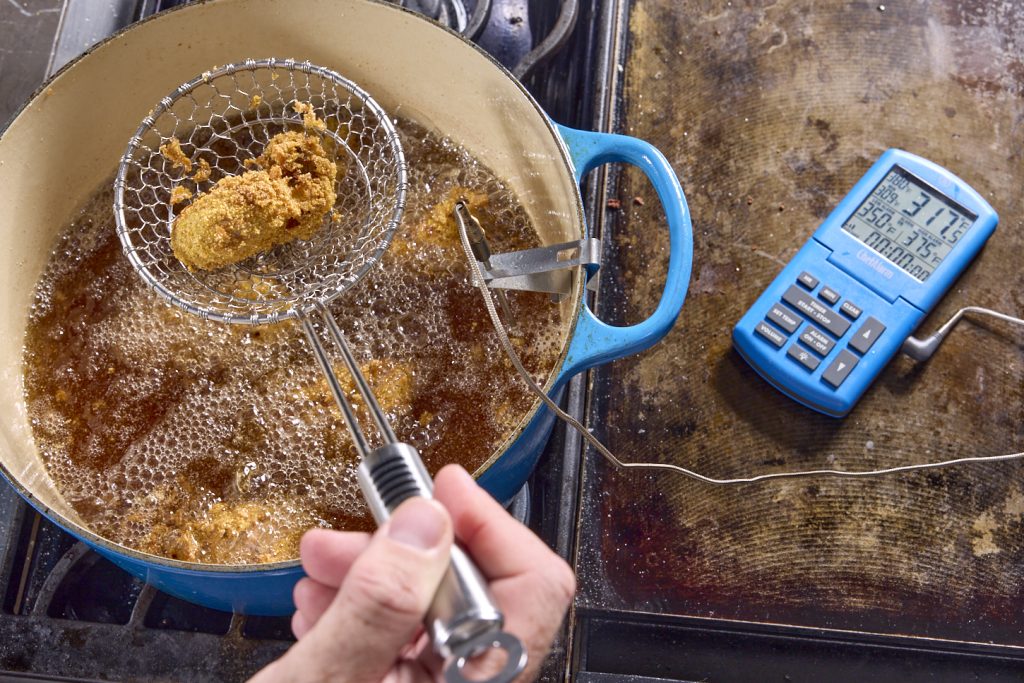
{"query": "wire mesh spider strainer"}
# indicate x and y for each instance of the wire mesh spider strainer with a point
(223, 118)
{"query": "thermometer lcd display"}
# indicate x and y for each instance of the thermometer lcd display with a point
(909, 223)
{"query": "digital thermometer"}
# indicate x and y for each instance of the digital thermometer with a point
(840, 310)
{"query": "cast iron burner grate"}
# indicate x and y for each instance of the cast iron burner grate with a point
(64, 611)
(521, 34)
(455, 14)
(518, 33)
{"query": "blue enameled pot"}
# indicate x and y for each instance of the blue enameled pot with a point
(69, 136)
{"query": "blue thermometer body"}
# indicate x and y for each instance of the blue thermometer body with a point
(840, 310)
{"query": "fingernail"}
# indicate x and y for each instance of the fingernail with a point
(418, 523)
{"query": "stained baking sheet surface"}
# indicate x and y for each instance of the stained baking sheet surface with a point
(770, 112)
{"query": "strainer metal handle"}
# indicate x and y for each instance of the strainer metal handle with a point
(239, 107)
(463, 619)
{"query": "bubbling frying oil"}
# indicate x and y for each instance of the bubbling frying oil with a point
(220, 443)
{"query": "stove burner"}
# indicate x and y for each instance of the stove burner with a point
(518, 33)
(451, 13)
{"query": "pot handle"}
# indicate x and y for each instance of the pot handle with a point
(595, 342)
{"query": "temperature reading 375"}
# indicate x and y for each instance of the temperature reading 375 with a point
(838, 312)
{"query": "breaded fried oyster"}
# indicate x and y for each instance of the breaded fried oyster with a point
(246, 214)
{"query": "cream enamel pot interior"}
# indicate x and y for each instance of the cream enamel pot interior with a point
(69, 137)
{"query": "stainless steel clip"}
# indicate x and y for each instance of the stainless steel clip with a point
(543, 269)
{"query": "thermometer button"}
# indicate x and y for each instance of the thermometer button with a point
(828, 294)
(784, 318)
(811, 308)
(816, 341)
(867, 335)
(851, 311)
(771, 334)
(836, 373)
(803, 357)
(807, 280)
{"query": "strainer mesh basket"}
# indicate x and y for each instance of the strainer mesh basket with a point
(226, 116)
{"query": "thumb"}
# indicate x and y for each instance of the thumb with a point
(382, 601)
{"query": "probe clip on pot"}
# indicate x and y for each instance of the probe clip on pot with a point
(506, 345)
(298, 280)
(543, 269)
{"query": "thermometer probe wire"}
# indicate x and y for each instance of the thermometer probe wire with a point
(923, 349)
(506, 344)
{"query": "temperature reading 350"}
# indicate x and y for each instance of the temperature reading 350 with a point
(909, 223)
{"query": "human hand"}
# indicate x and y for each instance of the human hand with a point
(360, 610)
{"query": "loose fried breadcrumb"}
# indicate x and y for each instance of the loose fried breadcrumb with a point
(296, 155)
(173, 153)
(180, 194)
(255, 101)
(250, 213)
(226, 533)
(202, 173)
(309, 119)
(393, 383)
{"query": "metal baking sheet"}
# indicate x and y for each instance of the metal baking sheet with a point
(769, 113)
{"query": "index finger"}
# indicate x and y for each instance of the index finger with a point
(497, 542)
(327, 554)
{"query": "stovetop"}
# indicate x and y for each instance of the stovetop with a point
(68, 614)
(768, 112)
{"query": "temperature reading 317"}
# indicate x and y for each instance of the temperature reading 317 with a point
(838, 312)
(901, 222)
